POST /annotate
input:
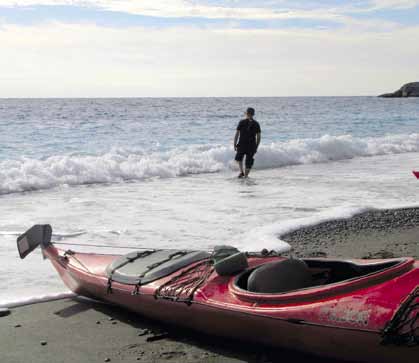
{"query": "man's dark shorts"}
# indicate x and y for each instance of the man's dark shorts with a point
(249, 157)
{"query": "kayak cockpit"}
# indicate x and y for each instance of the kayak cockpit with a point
(295, 278)
(341, 270)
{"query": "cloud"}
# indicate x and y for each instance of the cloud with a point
(66, 60)
(167, 13)
(182, 8)
(393, 4)
(364, 55)
(282, 9)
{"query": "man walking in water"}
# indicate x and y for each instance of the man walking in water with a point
(246, 142)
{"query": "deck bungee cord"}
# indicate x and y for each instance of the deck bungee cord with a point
(182, 287)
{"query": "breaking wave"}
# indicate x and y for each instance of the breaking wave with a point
(121, 165)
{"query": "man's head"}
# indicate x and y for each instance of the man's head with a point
(250, 112)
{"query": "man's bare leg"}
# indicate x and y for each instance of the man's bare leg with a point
(241, 167)
(249, 163)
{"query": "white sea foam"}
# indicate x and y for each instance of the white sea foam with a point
(36, 299)
(10, 233)
(269, 236)
(121, 165)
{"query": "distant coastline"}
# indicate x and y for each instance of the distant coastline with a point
(407, 90)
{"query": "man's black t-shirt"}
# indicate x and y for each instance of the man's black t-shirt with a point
(248, 130)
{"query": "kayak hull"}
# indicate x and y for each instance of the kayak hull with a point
(278, 324)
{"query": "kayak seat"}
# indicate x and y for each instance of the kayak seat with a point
(142, 267)
(280, 276)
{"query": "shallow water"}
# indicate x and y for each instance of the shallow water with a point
(178, 188)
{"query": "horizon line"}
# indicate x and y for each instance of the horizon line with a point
(151, 97)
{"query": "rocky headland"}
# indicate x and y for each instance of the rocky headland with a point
(408, 90)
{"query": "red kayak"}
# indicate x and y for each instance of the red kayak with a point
(359, 310)
(416, 174)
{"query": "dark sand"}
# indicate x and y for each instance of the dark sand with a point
(78, 330)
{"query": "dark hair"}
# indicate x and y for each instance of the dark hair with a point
(251, 111)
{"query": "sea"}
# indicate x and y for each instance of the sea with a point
(130, 173)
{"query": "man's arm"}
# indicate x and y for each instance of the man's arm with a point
(236, 138)
(258, 137)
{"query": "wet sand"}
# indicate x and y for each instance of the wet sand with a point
(80, 330)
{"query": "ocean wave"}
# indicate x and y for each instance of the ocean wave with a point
(121, 165)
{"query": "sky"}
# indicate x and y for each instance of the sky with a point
(188, 48)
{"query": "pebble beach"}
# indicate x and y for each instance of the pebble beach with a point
(386, 233)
